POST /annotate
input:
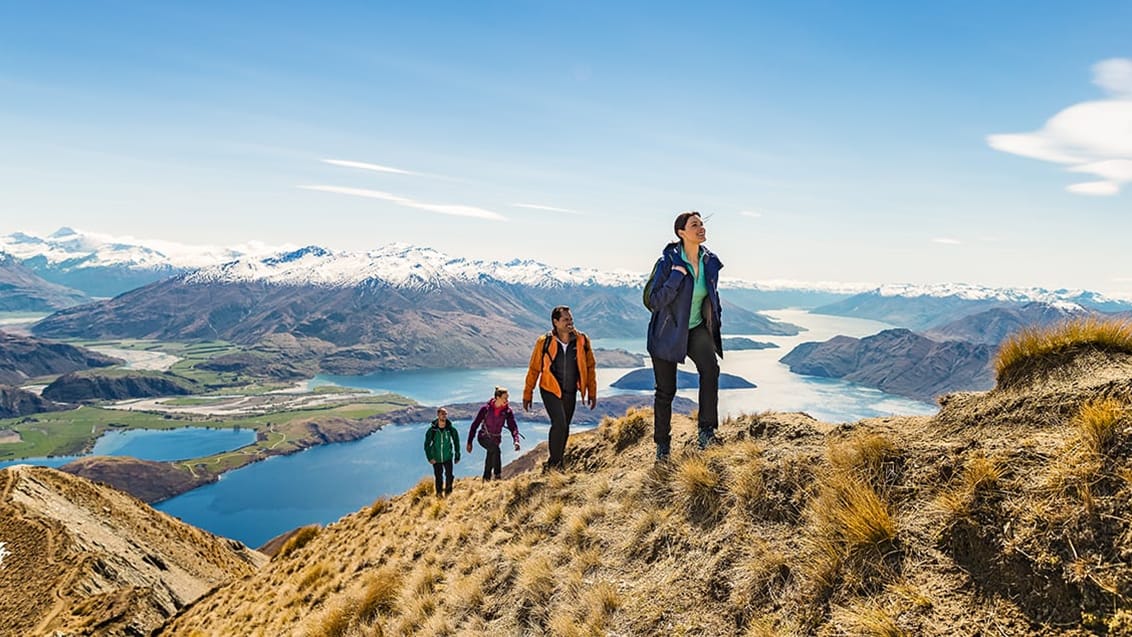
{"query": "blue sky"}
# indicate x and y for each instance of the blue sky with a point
(978, 142)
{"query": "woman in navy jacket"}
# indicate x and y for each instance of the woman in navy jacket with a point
(684, 297)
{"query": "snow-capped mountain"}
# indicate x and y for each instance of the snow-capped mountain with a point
(80, 249)
(402, 266)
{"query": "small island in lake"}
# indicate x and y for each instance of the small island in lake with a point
(643, 379)
(740, 343)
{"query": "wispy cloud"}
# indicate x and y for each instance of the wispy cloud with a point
(751, 213)
(947, 241)
(535, 206)
(456, 210)
(1091, 137)
(346, 163)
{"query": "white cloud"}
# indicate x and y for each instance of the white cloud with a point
(456, 210)
(750, 213)
(345, 163)
(1091, 137)
(535, 206)
(1094, 188)
(947, 241)
(1114, 76)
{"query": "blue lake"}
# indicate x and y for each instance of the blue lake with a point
(321, 484)
(156, 444)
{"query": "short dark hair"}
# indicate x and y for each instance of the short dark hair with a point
(682, 220)
(556, 313)
(499, 391)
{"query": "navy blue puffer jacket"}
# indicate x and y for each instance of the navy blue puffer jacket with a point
(671, 300)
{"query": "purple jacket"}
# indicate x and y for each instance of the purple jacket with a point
(493, 423)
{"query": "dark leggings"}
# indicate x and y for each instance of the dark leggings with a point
(443, 473)
(701, 349)
(561, 412)
(493, 462)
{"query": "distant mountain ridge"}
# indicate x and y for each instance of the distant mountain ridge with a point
(920, 307)
(22, 290)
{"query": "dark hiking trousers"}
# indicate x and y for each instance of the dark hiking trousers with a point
(701, 349)
(493, 462)
(443, 473)
(561, 412)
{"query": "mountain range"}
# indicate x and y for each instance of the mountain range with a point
(956, 356)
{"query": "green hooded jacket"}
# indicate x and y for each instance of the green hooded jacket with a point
(442, 444)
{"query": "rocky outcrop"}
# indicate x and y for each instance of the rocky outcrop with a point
(897, 362)
(24, 357)
(86, 559)
(16, 402)
(76, 387)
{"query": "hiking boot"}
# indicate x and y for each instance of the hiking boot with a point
(662, 451)
(707, 438)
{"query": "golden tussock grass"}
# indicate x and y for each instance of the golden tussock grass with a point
(696, 489)
(1098, 423)
(871, 456)
(980, 476)
(466, 595)
(852, 529)
(298, 541)
(421, 490)
(576, 528)
(628, 430)
(380, 592)
(1034, 349)
(379, 506)
(313, 575)
(867, 621)
(756, 578)
(333, 621)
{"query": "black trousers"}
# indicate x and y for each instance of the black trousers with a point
(701, 349)
(493, 461)
(561, 412)
(443, 473)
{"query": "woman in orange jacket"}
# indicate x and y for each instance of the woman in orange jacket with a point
(563, 364)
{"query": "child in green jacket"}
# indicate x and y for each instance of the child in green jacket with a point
(442, 447)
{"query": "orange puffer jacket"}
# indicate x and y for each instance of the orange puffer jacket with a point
(539, 368)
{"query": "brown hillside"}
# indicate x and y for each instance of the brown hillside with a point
(84, 559)
(1006, 514)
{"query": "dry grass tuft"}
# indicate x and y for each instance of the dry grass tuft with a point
(422, 490)
(1098, 423)
(1034, 349)
(628, 430)
(297, 541)
(980, 476)
(379, 506)
(333, 622)
(697, 490)
(379, 594)
(312, 575)
(871, 456)
(868, 620)
(534, 587)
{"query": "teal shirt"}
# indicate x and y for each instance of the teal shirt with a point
(698, 292)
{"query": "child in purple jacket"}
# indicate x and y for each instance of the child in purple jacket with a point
(494, 416)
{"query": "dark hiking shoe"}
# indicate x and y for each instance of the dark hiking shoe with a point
(663, 450)
(707, 438)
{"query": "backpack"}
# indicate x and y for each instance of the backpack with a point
(550, 335)
(647, 292)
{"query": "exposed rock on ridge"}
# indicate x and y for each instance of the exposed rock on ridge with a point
(88, 560)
